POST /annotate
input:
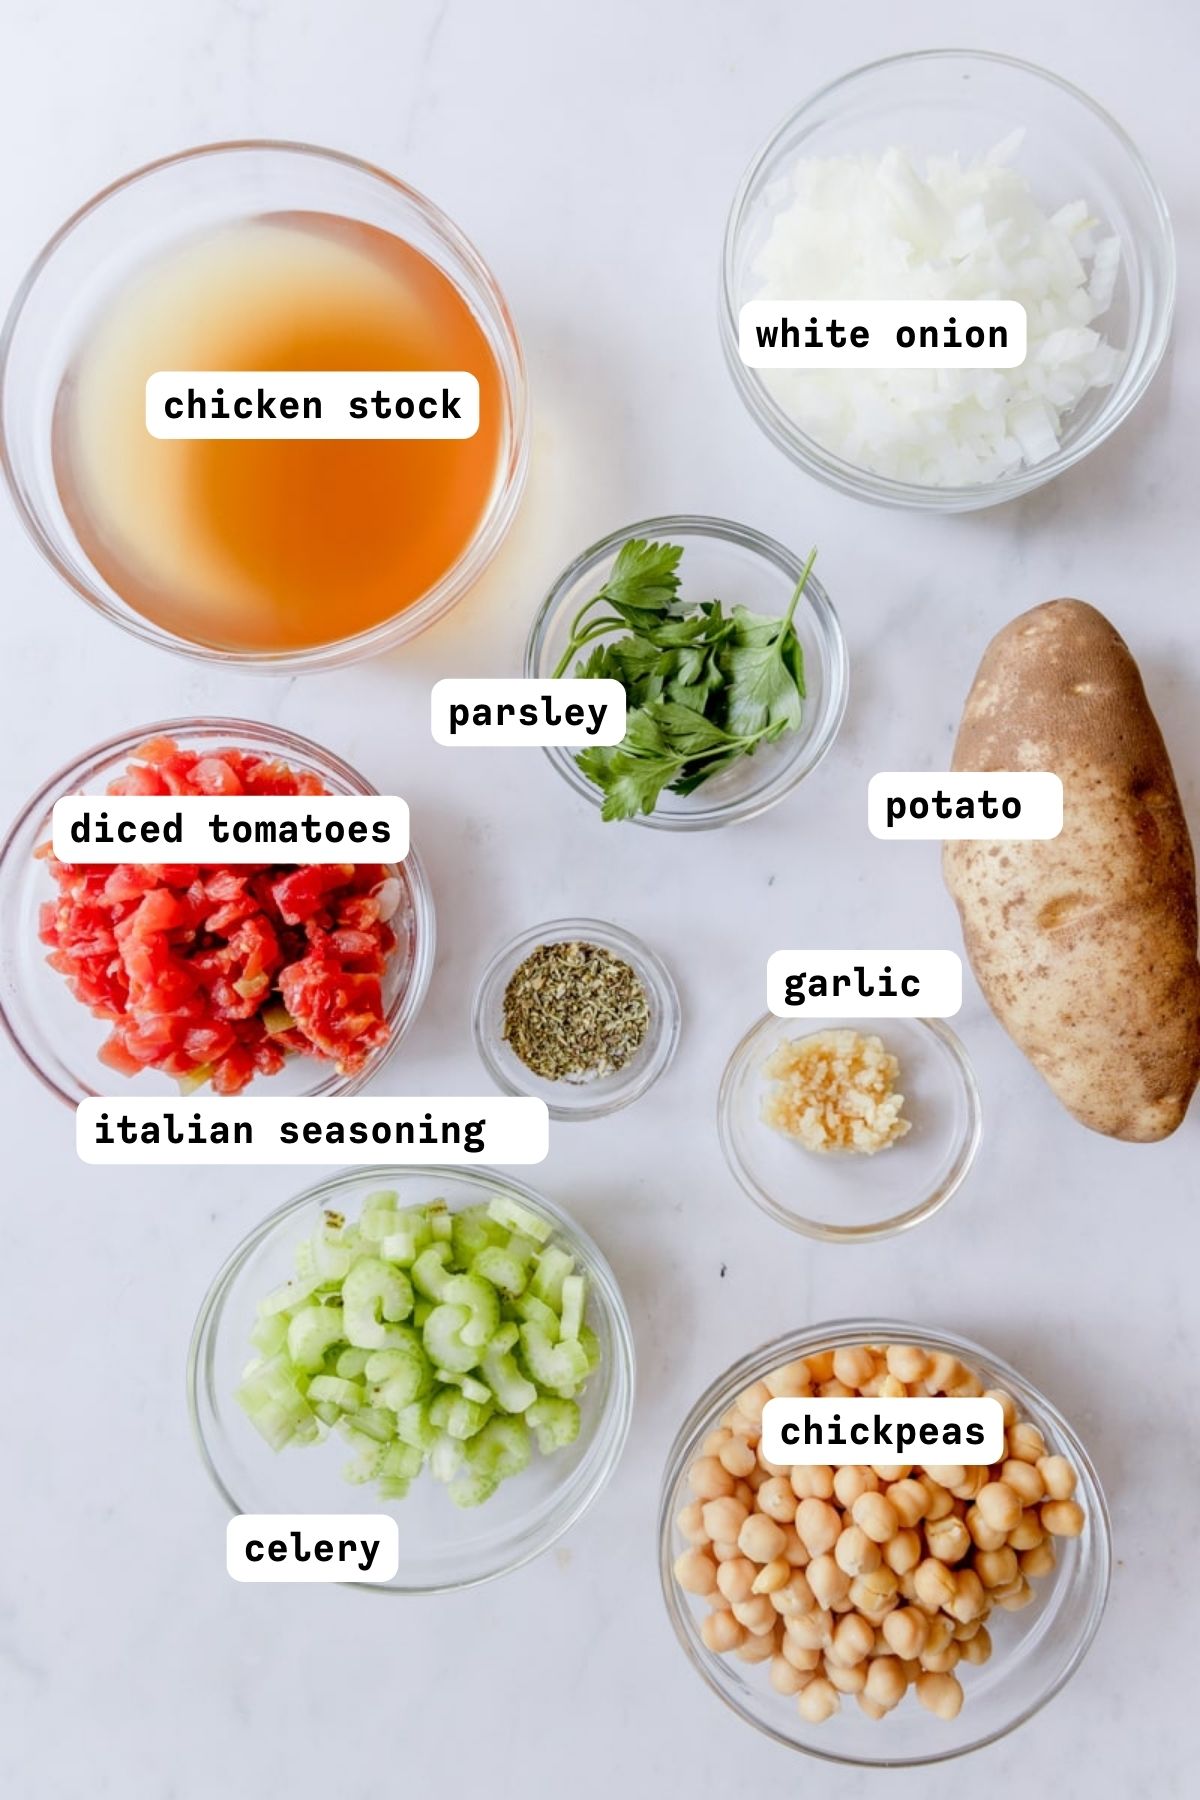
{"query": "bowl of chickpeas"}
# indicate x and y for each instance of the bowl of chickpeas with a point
(887, 1615)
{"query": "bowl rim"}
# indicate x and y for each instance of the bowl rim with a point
(641, 957)
(66, 779)
(863, 484)
(972, 1136)
(807, 754)
(618, 1413)
(831, 1334)
(512, 468)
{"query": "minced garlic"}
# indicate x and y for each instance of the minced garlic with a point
(835, 1090)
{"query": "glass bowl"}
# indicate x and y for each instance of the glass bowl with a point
(739, 566)
(134, 221)
(441, 1545)
(838, 1196)
(1035, 1651)
(608, 1093)
(57, 1035)
(957, 100)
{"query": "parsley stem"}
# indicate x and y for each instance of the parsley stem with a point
(795, 599)
(596, 629)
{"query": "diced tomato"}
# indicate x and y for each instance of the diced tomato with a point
(302, 893)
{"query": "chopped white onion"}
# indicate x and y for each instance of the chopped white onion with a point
(873, 228)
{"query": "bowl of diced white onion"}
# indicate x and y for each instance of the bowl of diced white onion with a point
(953, 176)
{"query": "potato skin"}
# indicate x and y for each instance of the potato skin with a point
(1084, 945)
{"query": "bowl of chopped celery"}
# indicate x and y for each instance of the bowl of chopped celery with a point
(732, 659)
(443, 1344)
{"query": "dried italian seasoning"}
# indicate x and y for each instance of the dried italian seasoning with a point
(575, 1012)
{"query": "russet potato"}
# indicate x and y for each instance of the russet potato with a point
(1084, 945)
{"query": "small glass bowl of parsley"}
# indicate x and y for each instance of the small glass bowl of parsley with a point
(732, 660)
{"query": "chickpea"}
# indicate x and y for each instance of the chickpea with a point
(890, 1472)
(856, 1553)
(876, 1592)
(1058, 1475)
(1026, 1443)
(968, 1387)
(835, 1390)
(1013, 1598)
(948, 1539)
(983, 1535)
(1027, 1533)
(818, 1701)
(890, 1388)
(776, 1499)
(726, 1552)
(721, 1633)
(757, 1475)
(971, 1483)
(851, 1680)
(792, 1382)
(756, 1614)
(716, 1441)
(905, 1631)
(977, 1649)
(907, 1362)
(903, 1552)
(940, 1662)
(744, 1494)
(691, 1523)
(940, 1502)
(1006, 1403)
(965, 1629)
(854, 1366)
(811, 1481)
(804, 1660)
(853, 1640)
(811, 1630)
(794, 1597)
(761, 1539)
(756, 1649)
(820, 1365)
(1039, 1560)
(872, 1710)
(851, 1482)
(784, 1678)
(943, 1372)
(941, 1631)
(769, 1468)
(885, 1682)
(818, 1524)
(946, 1475)
(724, 1518)
(934, 1584)
(1025, 1480)
(1000, 1506)
(772, 1576)
(1062, 1518)
(996, 1567)
(908, 1587)
(751, 1403)
(793, 1550)
(941, 1694)
(696, 1572)
(741, 1426)
(708, 1480)
(736, 1579)
(969, 1599)
(737, 1456)
(876, 1516)
(827, 1579)
(909, 1500)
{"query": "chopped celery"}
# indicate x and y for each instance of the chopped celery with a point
(553, 1266)
(375, 1297)
(507, 1211)
(555, 1422)
(424, 1336)
(570, 1322)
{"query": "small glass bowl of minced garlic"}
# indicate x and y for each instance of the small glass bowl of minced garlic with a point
(576, 1013)
(849, 1129)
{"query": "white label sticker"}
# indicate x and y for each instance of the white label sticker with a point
(853, 1432)
(312, 1547)
(870, 984)
(193, 828)
(428, 1129)
(945, 803)
(882, 334)
(519, 710)
(312, 403)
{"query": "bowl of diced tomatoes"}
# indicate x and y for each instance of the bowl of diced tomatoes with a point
(291, 979)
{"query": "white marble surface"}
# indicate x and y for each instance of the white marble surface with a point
(591, 152)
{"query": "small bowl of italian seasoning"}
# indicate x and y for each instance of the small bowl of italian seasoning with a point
(576, 1013)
